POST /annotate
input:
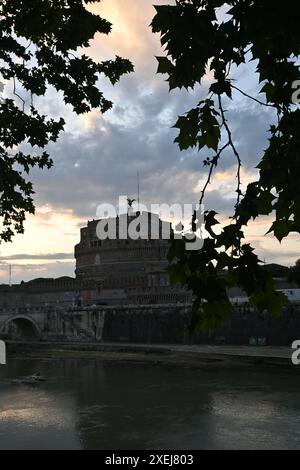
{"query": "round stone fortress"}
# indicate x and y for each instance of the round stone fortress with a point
(127, 270)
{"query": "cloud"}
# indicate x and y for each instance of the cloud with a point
(50, 256)
(26, 272)
(97, 158)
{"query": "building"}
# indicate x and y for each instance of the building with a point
(127, 270)
(108, 272)
(43, 292)
(118, 270)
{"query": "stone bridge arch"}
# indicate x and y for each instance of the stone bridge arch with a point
(21, 327)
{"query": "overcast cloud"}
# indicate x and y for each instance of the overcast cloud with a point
(98, 157)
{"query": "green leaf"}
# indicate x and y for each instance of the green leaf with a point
(164, 65)
(281, 229)
(269, 300)
(208, 316)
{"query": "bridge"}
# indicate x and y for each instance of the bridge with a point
(165, 323)
(51, 323)
(97, 323)
(28, 324)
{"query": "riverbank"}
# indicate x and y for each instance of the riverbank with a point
(178, 355)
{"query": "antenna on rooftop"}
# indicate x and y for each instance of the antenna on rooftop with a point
(138, 188)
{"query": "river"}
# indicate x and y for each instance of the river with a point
(91, 404)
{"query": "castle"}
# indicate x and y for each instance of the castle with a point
(108, 272)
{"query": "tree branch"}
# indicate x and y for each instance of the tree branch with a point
(224, 121)
(213, 164)
(254, 99)
(16, 94)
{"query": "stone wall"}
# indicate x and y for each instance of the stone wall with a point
(146, 324)
(168, 324)
(153, 324)
(245, 323)
(45, 292)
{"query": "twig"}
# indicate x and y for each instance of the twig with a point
(233, 148)
(229, 69)
(16, 94)
(254, 99)
(212, 166)
(248, 50)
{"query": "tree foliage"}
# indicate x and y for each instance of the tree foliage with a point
(294, 274)
(40, 45)
(197, 42)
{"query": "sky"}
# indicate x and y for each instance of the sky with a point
(97, 158)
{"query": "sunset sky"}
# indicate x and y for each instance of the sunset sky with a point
(97, 157)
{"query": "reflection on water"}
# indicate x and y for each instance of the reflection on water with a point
(89, 404)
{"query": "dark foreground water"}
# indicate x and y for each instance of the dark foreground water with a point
(89, 404)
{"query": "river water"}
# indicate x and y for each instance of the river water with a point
(90, 404)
